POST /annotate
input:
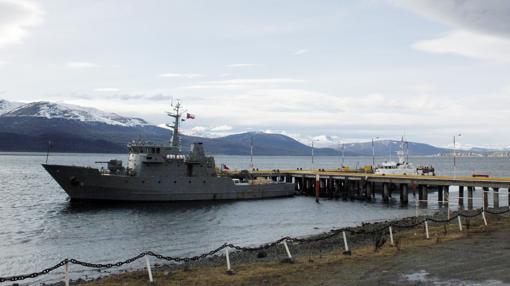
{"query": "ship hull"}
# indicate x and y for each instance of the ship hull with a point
(83, 183)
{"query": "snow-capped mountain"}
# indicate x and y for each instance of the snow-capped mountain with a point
(6, 106)
(51, 110)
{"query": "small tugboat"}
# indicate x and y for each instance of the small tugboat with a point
(161, 173)
(403, 167)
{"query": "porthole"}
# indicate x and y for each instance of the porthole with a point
(190, 181)
(204, 182)
(175, 182)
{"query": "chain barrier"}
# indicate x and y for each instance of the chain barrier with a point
(498, 213)
(35, 274)
(321, 237)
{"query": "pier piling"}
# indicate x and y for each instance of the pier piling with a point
(370, 190)
(470, 198)
(423, 195)
(404, 194)
(461, 196)
(317, 188)
(386, 197)
(440, 195)
(495, 197)
(446, 195)
(485, 197)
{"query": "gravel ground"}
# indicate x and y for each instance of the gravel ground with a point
(479, 258)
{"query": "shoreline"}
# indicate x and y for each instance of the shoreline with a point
(251, 266)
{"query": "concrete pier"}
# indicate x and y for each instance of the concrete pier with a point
(359, 185)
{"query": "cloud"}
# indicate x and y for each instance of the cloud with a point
(488, 16)
(469, 44)
(243, 83)
(300, 52)
(209, 132)
(481, 29)
(81, 65)
(3, 63)
(242, 65)
(221, 128)
(106, 89)
(181, 75)
(16, 17)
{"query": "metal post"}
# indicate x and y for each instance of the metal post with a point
(287, 249)
(66, 274)
(313, 165)
(454, 158)
(427, 229)
(460, 222)
(148, 268)
(229, 270)
(346, 246)
(391, 236)
(483, 216)
(373, 154)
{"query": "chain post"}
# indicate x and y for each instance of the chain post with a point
(391, 236)
(149, 271)
(427, 229)
(66, 273)
(287, 249)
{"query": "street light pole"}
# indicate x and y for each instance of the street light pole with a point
(455, 157)
(313, 165)
(343, 154)
(313, 155)
(373, 152)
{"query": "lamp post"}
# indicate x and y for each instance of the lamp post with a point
(251, 153)
(313, 164)
(373, 152)
(341, 149)
(455, 157)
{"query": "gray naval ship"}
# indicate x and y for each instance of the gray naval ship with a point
(161, 173)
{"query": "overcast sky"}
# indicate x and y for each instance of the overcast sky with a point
(350, 70)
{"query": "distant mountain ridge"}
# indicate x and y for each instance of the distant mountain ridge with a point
(27, 127)
(49, 110)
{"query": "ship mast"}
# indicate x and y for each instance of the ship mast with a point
(176, 114)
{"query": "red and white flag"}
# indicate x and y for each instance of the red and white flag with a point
(190, 116)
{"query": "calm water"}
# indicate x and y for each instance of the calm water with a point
(39, 226)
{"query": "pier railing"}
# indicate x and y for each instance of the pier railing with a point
(386, 229)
